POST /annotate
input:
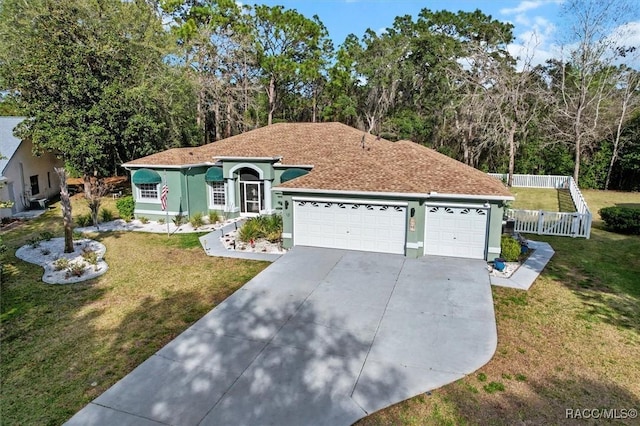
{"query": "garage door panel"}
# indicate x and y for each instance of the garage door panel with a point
(350, 226)
(456, 231)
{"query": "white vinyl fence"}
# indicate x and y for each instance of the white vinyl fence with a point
(569, 224)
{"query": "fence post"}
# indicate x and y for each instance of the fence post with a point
(575, 227)
(540, 221)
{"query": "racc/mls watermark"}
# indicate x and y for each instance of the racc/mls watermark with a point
(601, 413)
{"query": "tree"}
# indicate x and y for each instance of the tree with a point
(90, 77)
(214, 44)
(628, 96)
(291, 51)
(581, 80)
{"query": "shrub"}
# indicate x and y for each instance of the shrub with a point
(34, 242)
(214, 217)
(196, 220)
(46, 235)
(178, 219)
(274, 237)
(77, 235)
(143, 220)
(624, 220)
(271, 224)
(250, 230)
(269, 227)
(76, 269)
(126, 206)
(161, 221)
(83, 220)
(106, 215)
(509, 248)
(90, 256)
(61, 263)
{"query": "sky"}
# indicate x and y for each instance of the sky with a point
(537, 22)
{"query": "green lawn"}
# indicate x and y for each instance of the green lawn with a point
(62, 345)
(571, 341)
(554, 200)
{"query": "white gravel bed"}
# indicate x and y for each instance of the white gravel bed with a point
(47, 252)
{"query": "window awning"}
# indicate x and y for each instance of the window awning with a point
(146, 176)
(214, 174)
(291, 174)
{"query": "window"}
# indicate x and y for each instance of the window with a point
(148, 191)
(35, 188)
(216, 194)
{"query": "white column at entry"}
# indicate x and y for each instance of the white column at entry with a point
(267, 197)
(231, 195)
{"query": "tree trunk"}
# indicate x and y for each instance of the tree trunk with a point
(216, 121)
(65, 202)
(271, 92)
(576, 167)
(616, 145)
(512, 154)
(227, 132)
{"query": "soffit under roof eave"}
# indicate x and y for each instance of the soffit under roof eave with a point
(419, 195)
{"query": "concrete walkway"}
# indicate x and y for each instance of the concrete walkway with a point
(213, 246)
(524, 277)
(321, 337)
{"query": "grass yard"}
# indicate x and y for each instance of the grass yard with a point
(554, 200)
(63, 345)
(571, 342)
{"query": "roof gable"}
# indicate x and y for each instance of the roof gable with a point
(8, 142)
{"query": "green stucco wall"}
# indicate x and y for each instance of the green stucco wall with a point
(175, 202)
(195, 190)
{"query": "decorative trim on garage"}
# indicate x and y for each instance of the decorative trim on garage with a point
(286, 235)
(495, 249)
(352, 206)
(352, 201)
(466, 205)
(413, 245)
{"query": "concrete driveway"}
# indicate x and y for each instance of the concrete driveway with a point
(321, 337)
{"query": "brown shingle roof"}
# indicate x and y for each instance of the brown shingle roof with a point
(340, 161)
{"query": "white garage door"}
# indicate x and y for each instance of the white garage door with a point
(456, 231)
(350, 226)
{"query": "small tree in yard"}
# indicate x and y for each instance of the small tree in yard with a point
(94, 190)
(65, 201)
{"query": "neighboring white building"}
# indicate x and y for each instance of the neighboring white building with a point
(27, 180)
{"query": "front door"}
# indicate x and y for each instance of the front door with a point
(251, 192)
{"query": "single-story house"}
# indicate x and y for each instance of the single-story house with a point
(334, 187)
(26, 180)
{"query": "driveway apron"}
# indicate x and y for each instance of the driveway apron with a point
(320, 337)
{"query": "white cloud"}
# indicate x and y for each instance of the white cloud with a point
(528, 5)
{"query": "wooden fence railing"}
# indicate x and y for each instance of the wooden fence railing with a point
(569, 224)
